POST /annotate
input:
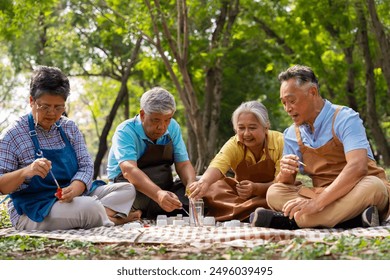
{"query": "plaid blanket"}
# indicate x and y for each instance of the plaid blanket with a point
(244, 236)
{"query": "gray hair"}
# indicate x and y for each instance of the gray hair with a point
(254, 107)
(158, 100)
(301, 74)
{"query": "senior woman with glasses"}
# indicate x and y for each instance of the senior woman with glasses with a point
(47, 171)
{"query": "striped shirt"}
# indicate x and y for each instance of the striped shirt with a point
(17, 151)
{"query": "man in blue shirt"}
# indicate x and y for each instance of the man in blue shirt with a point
(329, 144)
(143, 151)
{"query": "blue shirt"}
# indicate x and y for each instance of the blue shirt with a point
(348, 128)
(17, 150)
(128, 143)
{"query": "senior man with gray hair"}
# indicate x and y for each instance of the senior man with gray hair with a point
(143, 151)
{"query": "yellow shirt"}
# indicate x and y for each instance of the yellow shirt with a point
(232, 153)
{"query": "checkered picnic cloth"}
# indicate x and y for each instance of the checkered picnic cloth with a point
(244, 236)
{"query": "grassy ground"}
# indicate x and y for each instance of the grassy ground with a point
(347, 247)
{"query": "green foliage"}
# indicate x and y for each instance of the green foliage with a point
(94, 40)
(4, 217)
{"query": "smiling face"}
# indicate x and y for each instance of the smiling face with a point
(47, 109)
(300, 102)
(155, 124)
(250, 132)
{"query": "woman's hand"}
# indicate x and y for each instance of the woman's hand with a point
(245, 189)
(39, 167)
(197, 189)
(76, 188)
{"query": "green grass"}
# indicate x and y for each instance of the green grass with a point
(343, 248)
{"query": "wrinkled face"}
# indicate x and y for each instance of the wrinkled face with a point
(250, 132)
(47, 109)
(298, 101)
(155, 124)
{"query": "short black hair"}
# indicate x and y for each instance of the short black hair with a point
(49, 80)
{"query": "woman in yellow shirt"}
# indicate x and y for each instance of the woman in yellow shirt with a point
(253, 154)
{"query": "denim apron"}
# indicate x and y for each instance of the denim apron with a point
(36, 200)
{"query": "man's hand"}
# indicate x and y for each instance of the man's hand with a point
(289, 165)
(297, 207)
(168, 201)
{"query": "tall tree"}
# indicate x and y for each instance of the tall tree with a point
(372, 117)
(383, 41)
(171, 39)
(103, 33)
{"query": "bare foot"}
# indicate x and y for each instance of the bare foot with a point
(134, 215)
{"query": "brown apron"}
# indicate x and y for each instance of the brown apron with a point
(325, 163)
(156, 163)
(222, 199)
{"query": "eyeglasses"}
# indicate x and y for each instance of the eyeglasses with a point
(46, 108)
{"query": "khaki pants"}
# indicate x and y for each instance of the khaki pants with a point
(85, 211)
(368, 192)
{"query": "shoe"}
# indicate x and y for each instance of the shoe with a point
(271, 219)
(370, 217)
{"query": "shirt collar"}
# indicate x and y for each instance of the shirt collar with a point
(271, 144)
(319, 121)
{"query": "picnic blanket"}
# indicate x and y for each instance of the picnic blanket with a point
(200, 237)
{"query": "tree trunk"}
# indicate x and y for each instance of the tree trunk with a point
(383, 40)
(204, 142)
(123, 92)
(122, 95)
(212, 108)
(191, 142)
(214, 76)
(350, 86)
(372, 118)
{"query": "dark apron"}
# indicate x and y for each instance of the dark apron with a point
(156, 163)
(222, 198)
(37, 200)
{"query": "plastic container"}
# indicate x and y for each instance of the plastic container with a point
(209, 221)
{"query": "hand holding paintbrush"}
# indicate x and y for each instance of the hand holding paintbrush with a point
(289, 165)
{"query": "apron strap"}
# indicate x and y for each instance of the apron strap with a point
(33, 135)
(34, 138)
(334, 119)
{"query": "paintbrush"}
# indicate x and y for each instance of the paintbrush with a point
(59, 190)
(185, 211)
